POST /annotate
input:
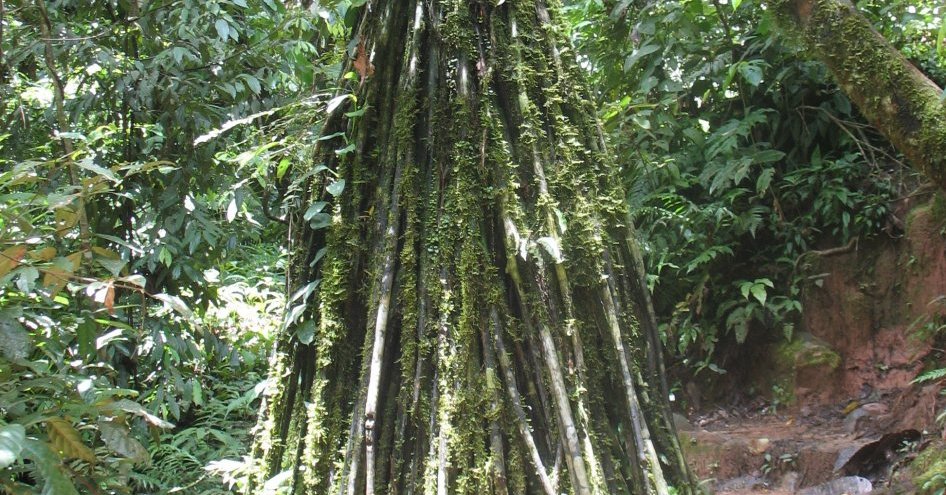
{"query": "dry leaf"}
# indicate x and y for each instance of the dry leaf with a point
(54, 279)
(10, 259)
(363, 66)
(65, 439)
(45, 254)
(109, 300)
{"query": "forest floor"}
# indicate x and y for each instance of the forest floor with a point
(851, 447)
(836, 409)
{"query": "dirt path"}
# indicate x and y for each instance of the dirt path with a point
(830, 451)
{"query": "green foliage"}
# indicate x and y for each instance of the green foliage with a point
(740, 157)
(152, 152)
(149, 155)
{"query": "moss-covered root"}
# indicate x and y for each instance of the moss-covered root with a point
(893, 94)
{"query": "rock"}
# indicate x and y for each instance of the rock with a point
(789, 482)
(857, 418)
(875, 457)
(845, 455)
(682, 423)
(875, 408)
(849, 485)
(853, 421)
(742, 483)
(759, 445)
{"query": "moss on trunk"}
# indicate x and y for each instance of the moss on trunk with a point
(894, 95)
(481, 323)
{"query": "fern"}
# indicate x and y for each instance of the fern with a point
(47, 466)
(144, 483)
(931, 376)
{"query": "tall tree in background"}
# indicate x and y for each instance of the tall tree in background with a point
(895, 96)
(469, 311)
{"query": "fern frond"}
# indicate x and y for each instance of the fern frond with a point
(930, 376)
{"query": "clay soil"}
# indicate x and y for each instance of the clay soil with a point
(876, 308)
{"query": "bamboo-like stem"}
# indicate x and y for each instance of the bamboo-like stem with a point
(495, 435)
(644, 444)
(516, 402)
(452, 271)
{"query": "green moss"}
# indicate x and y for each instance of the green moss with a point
(807, 351)
(517, 145)
(928, 470)
(886, 87)
(938, 208)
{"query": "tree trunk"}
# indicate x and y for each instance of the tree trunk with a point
(479, 322)
(892, 93)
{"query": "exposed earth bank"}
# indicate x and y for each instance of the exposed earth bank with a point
(836, 410)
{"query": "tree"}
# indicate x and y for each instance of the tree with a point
(469, 310)
(892, 93)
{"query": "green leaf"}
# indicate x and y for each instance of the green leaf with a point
(738, 323)
(197, 392)
(252, 82)
(136, 280)
(636, 55)
(175, 303)
(27, 279)
(49, 466)
(11, 443)
(764, 180)
(114, 266)
(357, 113)
(320, 221)
(223, 29)
(86, 334)
(336, 187)
(346, 150)
(744, 289)
(88, 164)
(768, 156)
(119, 440)
(14, 339)
(165, 256)
(282, 168)
(751, 72)
(130, 406)
(759, 292)
(313, 209)
(736, 4)
(306, 332)
(931, 376)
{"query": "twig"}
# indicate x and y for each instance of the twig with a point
(861, 142)
(835, 251)
(59, 102)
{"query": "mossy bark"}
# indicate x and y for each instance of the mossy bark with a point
(480, 322)
(892, 93)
